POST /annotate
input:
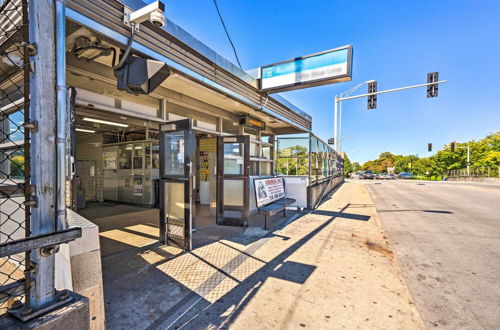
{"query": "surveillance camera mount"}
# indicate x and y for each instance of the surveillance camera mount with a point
(126, 19)
(152, 12)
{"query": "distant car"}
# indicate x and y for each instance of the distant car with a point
(405, 175)
(367, 175)
(383, 176)
(392, 177)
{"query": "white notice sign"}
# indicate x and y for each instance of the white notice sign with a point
(268, 190)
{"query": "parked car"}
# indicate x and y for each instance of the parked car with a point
(383, 176)
(405, 175)
(392, 177)
(367, 175)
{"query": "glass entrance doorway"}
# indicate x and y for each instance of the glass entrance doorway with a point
(233, 178)
(177, 152)
(204, 182)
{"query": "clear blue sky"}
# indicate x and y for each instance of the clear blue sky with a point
(395, 42)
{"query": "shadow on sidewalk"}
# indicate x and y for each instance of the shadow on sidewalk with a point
(202, 314)
(428, 211)
(342, 215)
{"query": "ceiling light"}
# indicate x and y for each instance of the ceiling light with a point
(104, 122)
(84, 130)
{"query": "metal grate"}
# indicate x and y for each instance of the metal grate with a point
(14, 149)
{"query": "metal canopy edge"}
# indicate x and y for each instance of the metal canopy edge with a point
(84, 20)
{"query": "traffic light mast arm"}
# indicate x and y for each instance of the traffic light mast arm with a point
(389, 90)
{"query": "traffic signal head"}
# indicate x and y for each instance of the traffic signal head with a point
(452, 146)
(432, 90)
(429, 147)
(372, 99)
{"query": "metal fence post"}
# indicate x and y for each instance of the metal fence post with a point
(43, 151)
(277, 157)
(61, 114)
(310, 157)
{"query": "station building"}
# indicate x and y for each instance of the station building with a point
(216, 122)
(155, 167)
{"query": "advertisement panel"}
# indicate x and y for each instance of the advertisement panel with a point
(323, 68)
(268, 190)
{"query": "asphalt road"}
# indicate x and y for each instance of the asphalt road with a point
(446, 237)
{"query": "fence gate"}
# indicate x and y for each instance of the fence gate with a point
(14, 150)
(32, 193)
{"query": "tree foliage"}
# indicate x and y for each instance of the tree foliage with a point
(348, 169)
(295, 161)
(483, 153)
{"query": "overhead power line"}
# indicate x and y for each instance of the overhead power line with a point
(227, 34)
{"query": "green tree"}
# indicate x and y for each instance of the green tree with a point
(405, 163)
(293, 161)
(17, 166)
(348, 169)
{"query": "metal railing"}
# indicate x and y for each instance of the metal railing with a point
(307, 156)
(15, 277)
(475, 172)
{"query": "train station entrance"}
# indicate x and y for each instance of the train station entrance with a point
(203, 181)
(169, 183)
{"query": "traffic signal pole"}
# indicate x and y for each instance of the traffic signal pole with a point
(339, 99)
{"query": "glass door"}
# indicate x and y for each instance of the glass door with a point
(177, 152)
(233, 177)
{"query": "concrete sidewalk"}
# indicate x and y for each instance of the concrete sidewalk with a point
(331, 268)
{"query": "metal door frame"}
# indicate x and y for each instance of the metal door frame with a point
(245, 209)
(186, 126)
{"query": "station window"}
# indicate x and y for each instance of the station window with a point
(266, 152)
(155, 156)
(233, 158)
(125, 157)
(266, 168)
(147, 152)
(254, 168)
(138, 156)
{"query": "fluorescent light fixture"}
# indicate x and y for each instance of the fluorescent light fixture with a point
(84, 130)
(104, 122)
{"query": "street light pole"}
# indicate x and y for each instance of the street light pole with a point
(337, 144)
(335, 124)
(340, 126)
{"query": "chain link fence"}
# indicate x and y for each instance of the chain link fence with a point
(307, 156)
(14, 150)
(292, 156)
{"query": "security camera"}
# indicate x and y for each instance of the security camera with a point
(152, 12)
(157, 19)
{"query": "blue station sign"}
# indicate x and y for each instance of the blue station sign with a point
(322, 68)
